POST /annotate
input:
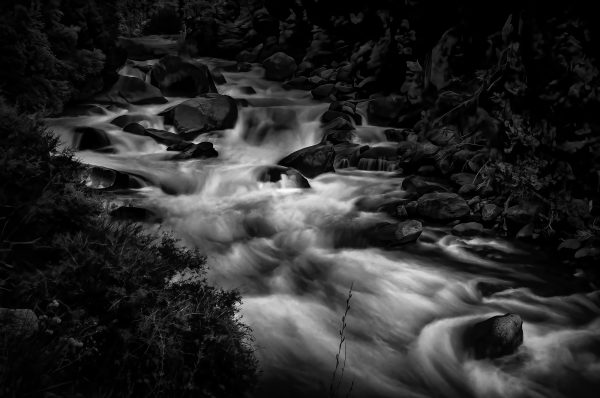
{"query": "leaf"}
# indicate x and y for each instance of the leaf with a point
(571, 244)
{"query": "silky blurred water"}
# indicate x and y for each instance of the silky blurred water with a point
(294, 253)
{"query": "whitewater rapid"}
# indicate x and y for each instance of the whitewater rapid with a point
(294, 253)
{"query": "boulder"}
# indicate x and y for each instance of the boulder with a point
(442, 206)
(495, 337)
(203, 150)
(164, 137)
(395, 135)
(391, 235)
(338, 123)
(124, 120)
(323, 91)
(421, 185)
(131, 90)
(347, 154)
(18, 323)
(129, 69)
(311, 161)
(408, 231)
(299, 83)
(461, 179)
(490, 211)
(177, 77)
(383, 111)
(91, 139)
(330, 115)
(279, 66)
(467, 229)
(275, 173)
(135, 128)
(204, 113)
(381, 158)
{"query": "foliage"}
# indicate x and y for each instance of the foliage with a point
(54, 52)
(111, 323)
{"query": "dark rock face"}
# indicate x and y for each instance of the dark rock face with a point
(442, 206)
(467, 229)
(131, 90)
(391, 235)
(203, 150)
(275, 173)
(204, 113)
(495, 337)
(135, 128)
(421, 185)
(347, 154)
(311, 161)
(164, 137)
(177, 77)
(279, 66)
(379, 159)
(124, 120)
(323, 91)
(90, 138)
(409, 231)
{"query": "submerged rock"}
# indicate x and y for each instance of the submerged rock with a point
(442, 206)
(495, 337)
(176, 77)
(203, 150)
(311, 161)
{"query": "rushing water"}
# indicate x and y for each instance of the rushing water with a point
(294, 253)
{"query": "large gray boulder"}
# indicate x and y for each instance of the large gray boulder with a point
(178, 77)
(131, 90)
(279, 66)
(495, 337)
(204, 113)
(442, 206)
(311, 161)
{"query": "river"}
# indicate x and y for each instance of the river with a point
(294, 254)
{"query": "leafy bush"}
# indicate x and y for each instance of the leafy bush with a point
(121, 313)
